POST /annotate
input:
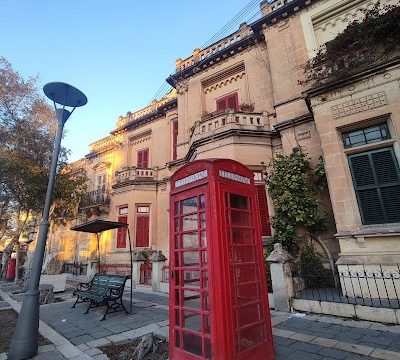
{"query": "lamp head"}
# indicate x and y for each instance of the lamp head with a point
(64, 94)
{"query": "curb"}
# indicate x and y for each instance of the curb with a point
(62, 344)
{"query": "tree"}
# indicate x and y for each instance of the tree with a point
(27, 130)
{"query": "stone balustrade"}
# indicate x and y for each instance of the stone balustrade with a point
(200, 55)
(214, 124)
(134, 173)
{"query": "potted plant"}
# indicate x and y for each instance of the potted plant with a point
(247, 106)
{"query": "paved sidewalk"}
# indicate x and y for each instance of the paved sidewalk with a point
(296, 336)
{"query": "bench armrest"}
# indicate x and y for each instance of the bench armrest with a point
(112, 293)
(83, 286)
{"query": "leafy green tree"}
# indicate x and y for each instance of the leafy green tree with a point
(27, 131)
(293, 185)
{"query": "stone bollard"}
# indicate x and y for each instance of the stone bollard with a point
(138, 259)
(281, 275)
(158, 260)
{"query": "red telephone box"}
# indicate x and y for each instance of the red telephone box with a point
(218, 296)
(11, 268)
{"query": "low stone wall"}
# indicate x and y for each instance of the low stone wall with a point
(384, 315)
(58, 281)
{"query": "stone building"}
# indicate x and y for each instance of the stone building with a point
(244, 98)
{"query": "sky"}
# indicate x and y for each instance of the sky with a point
(118, 52)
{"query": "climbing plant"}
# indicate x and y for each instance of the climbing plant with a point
(370, 40)
(293, 184)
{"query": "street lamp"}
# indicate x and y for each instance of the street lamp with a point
(24, 343)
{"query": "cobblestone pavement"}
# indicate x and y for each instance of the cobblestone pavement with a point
(296, 336)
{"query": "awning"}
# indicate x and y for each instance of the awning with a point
(98, 226)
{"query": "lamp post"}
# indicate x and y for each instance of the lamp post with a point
(24, 343)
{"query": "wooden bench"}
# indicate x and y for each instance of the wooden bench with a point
(103, 289)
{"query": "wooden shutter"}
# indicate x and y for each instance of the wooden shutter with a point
(121, 234)
(228, 102)
(221, 104)
(174, 140)
(145, 164)
(233, 102)
(143, 159)
(376, 180)
(139, 159)
(264, 214)
(142, 230)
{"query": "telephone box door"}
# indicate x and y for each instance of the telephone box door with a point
(252, 337)
(189, 294)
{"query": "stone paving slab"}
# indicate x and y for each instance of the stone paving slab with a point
(309, 328)
(295, 336)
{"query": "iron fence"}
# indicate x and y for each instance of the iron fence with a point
(269, 280)
(369, 285)
(95, 197)
(165, 274)
(75, 268)
(146, 269)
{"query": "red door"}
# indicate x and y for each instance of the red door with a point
(121, 234)
(142, 230)
(190, 331)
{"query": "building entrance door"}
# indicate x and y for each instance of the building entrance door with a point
(189, 296)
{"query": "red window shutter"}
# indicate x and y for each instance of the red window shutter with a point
(221, 104)
(143, 159)
(264, 214)
(228, 102)
(233, 102)
(139, 159)
(142, 230)
(121, 235)
(174, 140)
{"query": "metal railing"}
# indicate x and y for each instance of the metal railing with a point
(75, 268)
(165, 274)
(369, 285)
(95, 197)
(146, 269)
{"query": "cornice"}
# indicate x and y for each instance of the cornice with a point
(223, 135)
(220, 56)
(292, 122)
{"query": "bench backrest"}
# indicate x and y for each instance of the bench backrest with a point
(102, 282)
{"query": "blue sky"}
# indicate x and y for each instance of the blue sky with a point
(117, 52)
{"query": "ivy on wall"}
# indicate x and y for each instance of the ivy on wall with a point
(293, 184)
(369, 41)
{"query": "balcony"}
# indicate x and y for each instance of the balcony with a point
(217, 124)
(95, 198)
(132, 174)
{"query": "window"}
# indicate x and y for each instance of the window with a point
(174, 139)
(376, 180)
(121, 234)
(143, 159)
(228, 102)
(101, 181)
(365, 136)
(142, 225)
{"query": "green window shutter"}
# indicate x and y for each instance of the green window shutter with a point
(376, 180)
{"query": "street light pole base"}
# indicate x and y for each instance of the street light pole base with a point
(24, 344)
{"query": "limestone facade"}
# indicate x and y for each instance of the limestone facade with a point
(241, 99)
